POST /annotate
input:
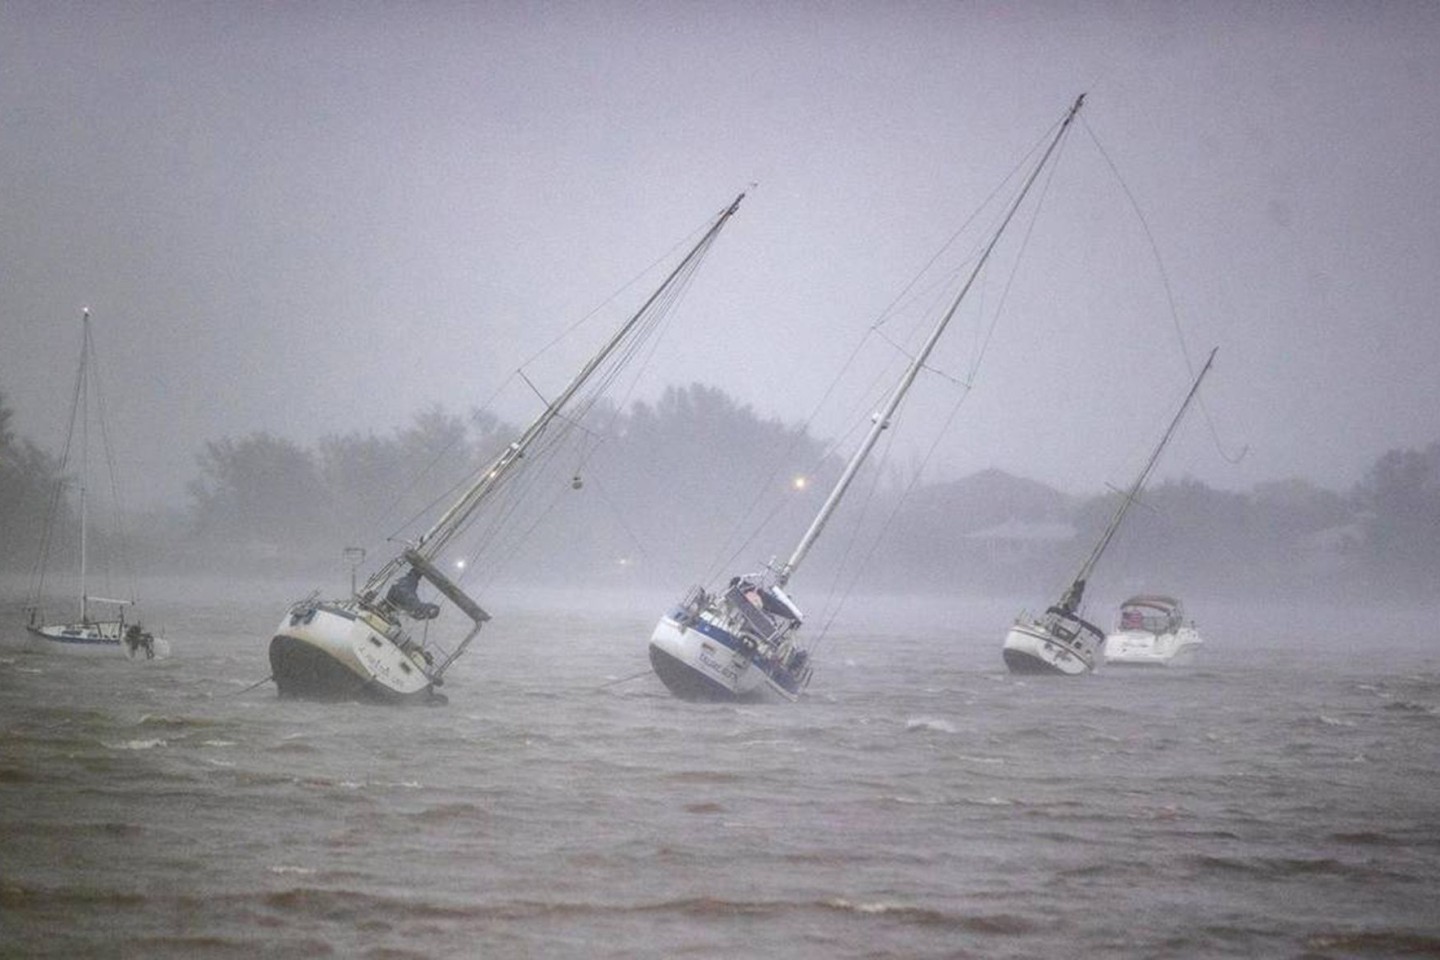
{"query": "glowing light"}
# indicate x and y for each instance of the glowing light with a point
(459, 564)
(800, 483)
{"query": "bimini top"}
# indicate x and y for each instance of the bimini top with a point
(1150, 612)
(1155, 600)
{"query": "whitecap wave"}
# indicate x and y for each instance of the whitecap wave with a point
(929, 723)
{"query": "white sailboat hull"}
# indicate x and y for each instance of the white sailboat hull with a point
(88, 639)
(103, 638)
(1141, 648)
(330, 651)
(708, 664)
(1032, 648)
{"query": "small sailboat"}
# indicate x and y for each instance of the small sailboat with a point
(740, 642)
(110, 632)
(1061, 641)
(362, 648)
(1153, 632)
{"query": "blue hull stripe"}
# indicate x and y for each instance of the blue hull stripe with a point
(775, 671)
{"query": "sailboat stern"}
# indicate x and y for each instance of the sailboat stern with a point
(331, 651)
(1061, 645)
(700, 663)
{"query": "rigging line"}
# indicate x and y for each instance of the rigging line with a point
(652, 339)
(928, 368)
(466, 479)
(682, 243)
(1169, 294)
(510, 493)
(894, 512)
(800, 433)
(506, 494)
(441, 497)
(851, 545)
(52, 521)
(524, 535)
(949, 419)
(533, 389)
(441, 454)
(502, 487)
(718, 568)
(121, 532)
(1020, 164)
(620, 518)
(644, 338)
(1019, 256)
(460, 517)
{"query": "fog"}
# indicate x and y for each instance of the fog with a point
(325, 220)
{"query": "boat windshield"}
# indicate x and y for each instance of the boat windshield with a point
(1151, 617)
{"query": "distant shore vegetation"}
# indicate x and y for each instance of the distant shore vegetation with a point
(696, 483)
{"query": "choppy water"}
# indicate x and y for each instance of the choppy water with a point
(1279, 799)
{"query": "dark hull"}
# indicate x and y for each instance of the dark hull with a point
(689, 684)
(301, 671)
(1020, 662)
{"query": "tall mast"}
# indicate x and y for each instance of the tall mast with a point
(84, 454)
(434, 540)
(881, 420)
(1076, 591)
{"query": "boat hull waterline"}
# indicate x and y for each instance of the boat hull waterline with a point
(1140, 648)
(701, 662)
(1031, 648)
(103, 638)
(332, 652)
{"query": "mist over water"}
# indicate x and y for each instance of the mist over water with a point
(1275, 799)
(307, 238)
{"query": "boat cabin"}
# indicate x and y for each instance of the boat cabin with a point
(1151, 613)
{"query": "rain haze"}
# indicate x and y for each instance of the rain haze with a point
(323, 218)
(338, 255)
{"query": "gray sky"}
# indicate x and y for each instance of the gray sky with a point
(316, 218)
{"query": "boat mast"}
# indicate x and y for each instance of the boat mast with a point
(84, 410)
(1073, 595)
(881, 420)
(434, 540)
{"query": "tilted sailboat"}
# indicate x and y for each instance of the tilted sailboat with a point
(360, 648)
(740, 643)
(1061, 641)
(87, 634)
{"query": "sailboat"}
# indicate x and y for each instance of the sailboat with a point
(740, 642)
(89, 633)
(1061, 641)
(362, 648)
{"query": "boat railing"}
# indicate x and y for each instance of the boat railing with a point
(693, 602)
(756, 619)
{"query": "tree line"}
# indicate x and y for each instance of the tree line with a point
(696, 484)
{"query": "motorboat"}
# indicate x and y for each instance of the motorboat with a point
(1152, 632)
